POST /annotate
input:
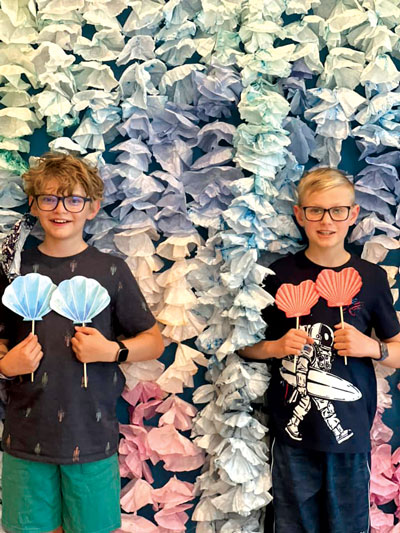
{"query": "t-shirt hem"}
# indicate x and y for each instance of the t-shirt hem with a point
(62, 460)
(279, 436)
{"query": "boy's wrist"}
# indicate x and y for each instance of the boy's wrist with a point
(114, 351)
(270, 349)
(3, 367)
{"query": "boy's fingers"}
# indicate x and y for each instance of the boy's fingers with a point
(345, 325)
(85, 330)
(27, 340)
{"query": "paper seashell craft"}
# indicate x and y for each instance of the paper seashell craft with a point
(339, 288)
(80, 299)
(296, 301)
(29, 296)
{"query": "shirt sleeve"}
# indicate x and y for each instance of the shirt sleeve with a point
(384, 316)
(131, 312)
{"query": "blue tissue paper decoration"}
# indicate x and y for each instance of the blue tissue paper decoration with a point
(29, 296)
(80, 299)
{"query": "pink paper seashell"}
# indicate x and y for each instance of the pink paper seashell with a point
(338, 288)
(296, 300)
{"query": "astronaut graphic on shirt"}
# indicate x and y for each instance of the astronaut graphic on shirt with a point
(313, 383)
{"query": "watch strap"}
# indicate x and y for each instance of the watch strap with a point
(384, 352)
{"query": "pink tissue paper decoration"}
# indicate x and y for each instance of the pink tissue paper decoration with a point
(135, 495)
(383, 489)
(178, 453)
(143, 392)
(177, 412)
(134, 451)
(136, 524)
(143, 411)
(174, 518)
(380, 432)
(173, 493)
(380, 522)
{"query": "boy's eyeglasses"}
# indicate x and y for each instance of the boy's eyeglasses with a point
(316, 214)
(49, 202)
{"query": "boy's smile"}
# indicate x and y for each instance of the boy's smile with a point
(326, 237)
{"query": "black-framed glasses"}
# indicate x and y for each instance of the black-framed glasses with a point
(337, 213)
(73, 204)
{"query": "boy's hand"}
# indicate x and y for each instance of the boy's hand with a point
(90, 346)
(24, 358)
(290, 344)
(351, 342)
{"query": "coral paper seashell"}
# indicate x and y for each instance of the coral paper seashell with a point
(338, 288)
(296, 300)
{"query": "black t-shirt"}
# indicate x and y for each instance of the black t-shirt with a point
(324, 404)
(55, 419)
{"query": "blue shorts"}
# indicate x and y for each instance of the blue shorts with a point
(319, 492)
(82, 498)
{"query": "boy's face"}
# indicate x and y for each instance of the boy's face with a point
(327, 233)
(61, 224)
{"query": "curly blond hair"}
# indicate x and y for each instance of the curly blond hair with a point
(322, 179)
(68, 171)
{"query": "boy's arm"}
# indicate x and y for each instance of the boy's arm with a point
(90, 346)
(351, 342)
(291, 343)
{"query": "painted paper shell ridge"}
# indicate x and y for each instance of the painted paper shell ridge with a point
(296, 300)
(338, 288)
(29, 296)
(80, 299)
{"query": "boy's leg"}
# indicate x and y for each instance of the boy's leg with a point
(90, 496)
(347, 492)
(297, 479)
(31, 496)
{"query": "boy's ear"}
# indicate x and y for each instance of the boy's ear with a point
(32, 206)
(94, 209)
(299, 214)
(354, 214)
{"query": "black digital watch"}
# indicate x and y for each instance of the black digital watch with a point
(122, 354)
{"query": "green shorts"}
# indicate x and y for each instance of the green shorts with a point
(39, 497)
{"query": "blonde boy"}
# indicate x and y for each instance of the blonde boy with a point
(322, 409)
(60, 467)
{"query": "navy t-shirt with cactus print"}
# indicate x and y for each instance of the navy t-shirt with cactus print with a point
(55, 419)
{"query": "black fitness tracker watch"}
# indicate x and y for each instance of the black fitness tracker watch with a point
(383, 350)
(122, 354)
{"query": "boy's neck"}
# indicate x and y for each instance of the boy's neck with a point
(62, 248)
(330, 258)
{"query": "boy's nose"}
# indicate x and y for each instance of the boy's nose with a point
(60, 207)
(326, 214)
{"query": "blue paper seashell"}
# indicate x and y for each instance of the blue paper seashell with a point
(29, 296)
(80, 299)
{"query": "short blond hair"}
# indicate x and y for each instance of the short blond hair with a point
(68, 171)
(322, 179)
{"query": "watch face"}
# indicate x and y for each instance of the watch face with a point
(122, 355)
